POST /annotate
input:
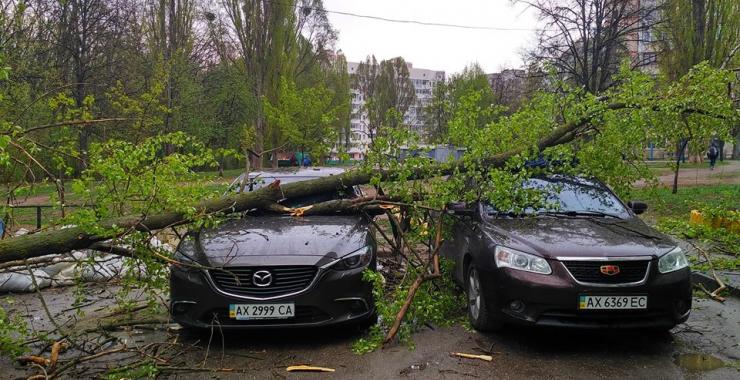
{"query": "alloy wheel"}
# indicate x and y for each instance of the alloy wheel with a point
(474, 293)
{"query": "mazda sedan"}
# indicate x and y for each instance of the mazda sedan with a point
(276, 271)
(583, 259)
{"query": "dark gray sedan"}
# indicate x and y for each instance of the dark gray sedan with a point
(586, 261)
(276, 271)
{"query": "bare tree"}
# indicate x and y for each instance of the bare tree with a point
(85, 44)
(585, 40)
(171, 35)
(383, 86)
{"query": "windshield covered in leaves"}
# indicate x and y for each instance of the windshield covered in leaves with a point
(568, 195)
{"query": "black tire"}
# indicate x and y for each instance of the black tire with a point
(481, 317)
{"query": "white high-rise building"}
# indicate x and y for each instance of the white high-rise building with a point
(424, 81)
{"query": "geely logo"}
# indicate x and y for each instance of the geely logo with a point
(609, 270)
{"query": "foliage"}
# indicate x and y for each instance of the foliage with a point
(671, 214)
(146, 369)
(439, 303)
(696, 31)
(13, 331)
(305, 118)
(141, 179)
(437, 113)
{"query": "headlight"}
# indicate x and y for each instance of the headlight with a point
(185, 252)
(672, 261)
(357, 259)
(511, 258)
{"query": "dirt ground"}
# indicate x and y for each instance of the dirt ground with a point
(706, 347)
(727, 172)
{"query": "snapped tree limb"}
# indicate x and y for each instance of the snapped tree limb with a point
(72, 238)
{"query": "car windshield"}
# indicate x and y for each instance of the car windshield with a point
(570, 195)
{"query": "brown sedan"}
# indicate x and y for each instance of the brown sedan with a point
(584, 261)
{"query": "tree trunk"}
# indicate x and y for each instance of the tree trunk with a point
(67, 239)
(679, 154)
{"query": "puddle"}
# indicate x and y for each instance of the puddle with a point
(699, 362)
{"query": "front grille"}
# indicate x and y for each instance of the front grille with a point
(303, 314)
(590, 271)
(285, 280)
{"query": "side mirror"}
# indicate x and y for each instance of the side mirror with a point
(460, 208)
(637, 207)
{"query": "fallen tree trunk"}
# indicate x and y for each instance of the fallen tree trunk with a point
(67, 239)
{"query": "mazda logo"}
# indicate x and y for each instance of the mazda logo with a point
(262, 278)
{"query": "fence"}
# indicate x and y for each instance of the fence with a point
(38, 212)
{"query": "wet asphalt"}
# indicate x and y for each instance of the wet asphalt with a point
(706, 347)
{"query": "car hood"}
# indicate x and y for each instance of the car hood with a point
(579, 237)
(282, 240)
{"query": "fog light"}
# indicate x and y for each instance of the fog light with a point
(356, 305)
(516, 306)
(681, 307)
(181, 307)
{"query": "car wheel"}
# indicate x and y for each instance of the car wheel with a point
(479, 314)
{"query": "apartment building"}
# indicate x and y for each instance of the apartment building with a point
(508, 86)
(423, 80)
(642, 43)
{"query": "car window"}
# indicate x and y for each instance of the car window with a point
(570, 194)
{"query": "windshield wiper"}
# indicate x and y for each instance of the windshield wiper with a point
(579, 213)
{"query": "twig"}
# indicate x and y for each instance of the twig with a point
(715, 294)
(434, 263)
(76, 361)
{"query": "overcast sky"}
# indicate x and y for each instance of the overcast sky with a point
(434, 47)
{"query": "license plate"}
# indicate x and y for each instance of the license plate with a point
(611, 302)
(245, 312)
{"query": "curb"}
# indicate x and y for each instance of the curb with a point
(711, 284)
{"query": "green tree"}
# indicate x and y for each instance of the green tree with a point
(437, 112)
(305, 117)
(696, 31)
(472, 82)
(387, 91)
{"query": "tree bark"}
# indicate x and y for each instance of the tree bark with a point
(679, 155)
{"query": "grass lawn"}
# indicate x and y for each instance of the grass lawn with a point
(662, 203)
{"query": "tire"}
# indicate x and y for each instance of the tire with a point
(481, 317)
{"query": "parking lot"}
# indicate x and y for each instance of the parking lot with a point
(706, 347)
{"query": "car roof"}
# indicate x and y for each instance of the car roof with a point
(317, 171)
(287, 175)
(294, 174)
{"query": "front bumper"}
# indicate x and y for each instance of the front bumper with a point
(552, 300)
(334, 298)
